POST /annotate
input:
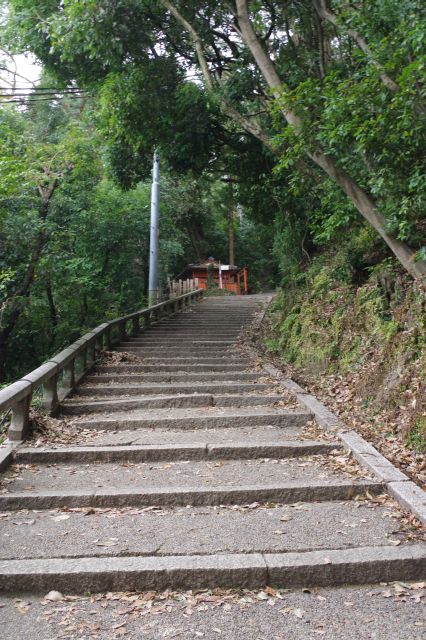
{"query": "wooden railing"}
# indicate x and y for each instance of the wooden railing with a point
(59, 376)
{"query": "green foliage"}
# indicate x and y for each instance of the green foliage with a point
(299, 229)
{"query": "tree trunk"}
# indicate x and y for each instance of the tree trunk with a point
(197, 237)
(361, 200)
(53, 314)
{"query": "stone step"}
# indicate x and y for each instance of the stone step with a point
(251, 435)
(179, 352)
(173, 452)
(228, 364)
(173, 341)
(198, 332)
(217, 313)
(138, 573)
(206, 333)
(125, 375)
(221, 319)
(196, 320)
(263, 528)
(78, 407)
(189, 368)
(169, 388)
(211, 334)
(280, 492)
(195, 418)
(195, 326)
(183, 359)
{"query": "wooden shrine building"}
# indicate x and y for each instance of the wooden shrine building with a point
(214, 274)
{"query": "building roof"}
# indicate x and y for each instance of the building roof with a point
(205, 265)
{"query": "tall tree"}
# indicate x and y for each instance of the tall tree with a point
(257, 57)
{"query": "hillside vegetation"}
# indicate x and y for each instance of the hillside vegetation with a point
(361, 346)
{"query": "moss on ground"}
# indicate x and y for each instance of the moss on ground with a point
(373, 334)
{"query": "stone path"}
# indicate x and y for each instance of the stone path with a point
(191, 468)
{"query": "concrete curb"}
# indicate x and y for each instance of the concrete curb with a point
(330, 567)
(407, 493)
(6, 455)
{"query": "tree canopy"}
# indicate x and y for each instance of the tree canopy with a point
(308, 114)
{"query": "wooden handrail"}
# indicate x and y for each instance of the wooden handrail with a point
(18, 395)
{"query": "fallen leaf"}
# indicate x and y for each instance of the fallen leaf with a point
(54, 596)
(286, 518)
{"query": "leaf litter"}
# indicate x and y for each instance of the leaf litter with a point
(73, 614)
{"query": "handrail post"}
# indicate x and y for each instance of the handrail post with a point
(50, 394)
(107, 338)
(83, 356)
(135, 326)
(20, 423)
(91, 354)
(99, 343)
(122, 330)
(69, 377)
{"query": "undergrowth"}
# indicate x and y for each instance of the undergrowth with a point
(369, 335)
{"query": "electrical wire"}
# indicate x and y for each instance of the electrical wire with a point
(42, 95)
(32, 88)
(51, 99)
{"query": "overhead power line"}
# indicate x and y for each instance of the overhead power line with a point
(50, 99)
(41, 95)
(31, 88)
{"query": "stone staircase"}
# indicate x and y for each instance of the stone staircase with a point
(189, 469)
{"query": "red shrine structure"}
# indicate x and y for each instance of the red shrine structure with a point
(222, 276)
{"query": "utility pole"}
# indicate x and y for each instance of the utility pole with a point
(231, 236)
(153, 243)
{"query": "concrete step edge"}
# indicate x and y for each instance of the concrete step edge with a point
(170, 377)
(158, 452)
(172, 367)
(283, 419)
(283, 493)
(117, 391)
(168, 401)
(331, 567)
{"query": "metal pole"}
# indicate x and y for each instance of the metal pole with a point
(153, 244)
